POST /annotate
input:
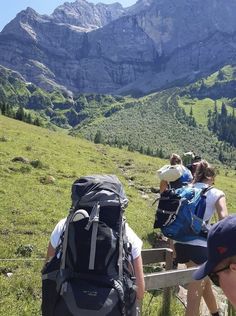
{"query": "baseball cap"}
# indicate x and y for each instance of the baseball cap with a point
(220, 245)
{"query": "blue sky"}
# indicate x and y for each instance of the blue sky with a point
(9, 8)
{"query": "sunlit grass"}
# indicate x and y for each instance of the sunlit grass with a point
(30, 209)
(200, 107)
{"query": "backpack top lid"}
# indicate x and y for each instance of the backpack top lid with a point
(170, 172)
(89, 190)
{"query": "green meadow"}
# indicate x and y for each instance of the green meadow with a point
(31, 205)
(200, 107)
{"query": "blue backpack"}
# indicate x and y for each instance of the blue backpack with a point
(180, 213)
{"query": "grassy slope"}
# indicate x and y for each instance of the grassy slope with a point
(30, 209)
(213, 83)
(151, 123)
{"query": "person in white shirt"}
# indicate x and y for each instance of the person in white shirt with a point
(135, 241)
(194, 252)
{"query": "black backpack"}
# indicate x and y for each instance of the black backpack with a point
(92, 270)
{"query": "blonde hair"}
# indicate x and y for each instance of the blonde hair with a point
(204, 171)
(175, 160)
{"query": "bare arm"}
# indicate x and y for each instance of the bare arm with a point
(163, 186)
(138, 269)
(221, 208)
(50, 252)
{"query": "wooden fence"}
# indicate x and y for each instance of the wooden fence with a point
(168, 278)
(159, 280)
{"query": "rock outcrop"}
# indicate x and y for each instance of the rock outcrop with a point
(100, 48)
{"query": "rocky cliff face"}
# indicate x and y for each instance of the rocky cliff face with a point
(107, 49)
(87, 15)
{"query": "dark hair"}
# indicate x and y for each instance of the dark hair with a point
(204, 171)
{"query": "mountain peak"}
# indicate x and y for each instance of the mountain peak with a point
(88, 15)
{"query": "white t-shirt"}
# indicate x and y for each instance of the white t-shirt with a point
(135, 241)
(212, 196)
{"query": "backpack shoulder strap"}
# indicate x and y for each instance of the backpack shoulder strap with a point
(65, 240)
(201, 207)
(206, 189)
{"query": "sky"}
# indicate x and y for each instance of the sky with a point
(10, 8)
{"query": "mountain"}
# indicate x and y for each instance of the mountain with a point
(87, 15)
(54, 107)
(174, 120)
(152, 45)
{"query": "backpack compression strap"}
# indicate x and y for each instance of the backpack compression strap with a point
(93, 220)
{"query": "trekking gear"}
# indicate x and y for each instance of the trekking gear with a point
(185, 179)
(180, 213)
(170, 172)
(92, 271)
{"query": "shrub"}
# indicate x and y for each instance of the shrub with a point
(25, 250)
(25, 169)
(36, 164)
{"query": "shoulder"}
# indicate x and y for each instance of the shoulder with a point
(211, 192)
(60, 225)
(56, 233)
(131, 235)
(135, 241)
(215, 193)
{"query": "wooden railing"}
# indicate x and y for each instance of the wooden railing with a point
(158, 280)
(168, 278)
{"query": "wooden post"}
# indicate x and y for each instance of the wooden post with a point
(150, 256)
(165, 279)
(167, 292)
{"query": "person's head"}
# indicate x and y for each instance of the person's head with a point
(221, 262)
(196, 158)
(175, 160)
(204, 172)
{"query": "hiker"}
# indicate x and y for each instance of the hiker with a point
(221, 258)
(95, 264)
(191, 160)
(181, 176)
(194, 252)
(174, 176)
(136, 252)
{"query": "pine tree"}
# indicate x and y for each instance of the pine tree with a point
(161, 154)
(37, 121)
(223, 110)
(20, 114)
(29, 118)
(191, 111)
(98, 137)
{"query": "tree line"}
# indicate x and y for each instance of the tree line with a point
(19, 114)
(223, 124)
(149, 151)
